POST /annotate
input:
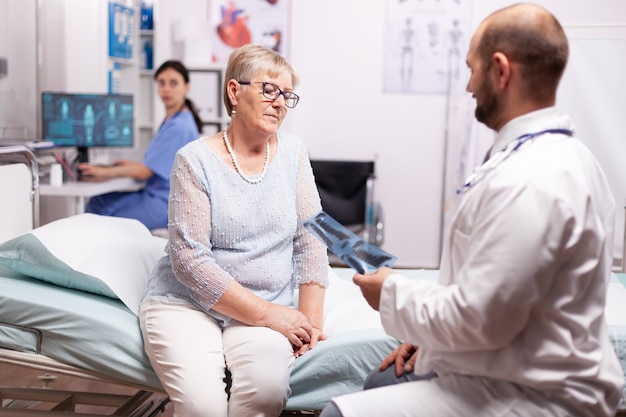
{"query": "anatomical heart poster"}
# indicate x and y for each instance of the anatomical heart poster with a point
(235, 23)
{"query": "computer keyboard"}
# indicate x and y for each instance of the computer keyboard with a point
(39, 145)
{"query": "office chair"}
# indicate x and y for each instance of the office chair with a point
(346, 189)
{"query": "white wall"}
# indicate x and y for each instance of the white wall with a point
(343, 113)
(605, 12)
(340, 45)
(73, 36)
(593, 89)
(594, 93)
(338, 48)
(18, 90)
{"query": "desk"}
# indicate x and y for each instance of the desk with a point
(84, 189)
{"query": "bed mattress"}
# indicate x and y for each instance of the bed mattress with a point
(102, 335)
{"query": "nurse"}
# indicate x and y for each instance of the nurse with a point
(180, 126)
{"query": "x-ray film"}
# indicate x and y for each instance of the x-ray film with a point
(355, 251)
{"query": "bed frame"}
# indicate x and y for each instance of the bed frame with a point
(144, 402)
(22, 154)
(14, 400)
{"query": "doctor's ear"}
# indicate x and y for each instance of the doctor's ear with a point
(501, 65)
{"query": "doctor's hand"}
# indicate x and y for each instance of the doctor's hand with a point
(403, 357)
(372, 284)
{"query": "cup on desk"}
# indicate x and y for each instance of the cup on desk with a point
(56, 175)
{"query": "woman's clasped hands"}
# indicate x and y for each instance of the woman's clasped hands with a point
(294, 325)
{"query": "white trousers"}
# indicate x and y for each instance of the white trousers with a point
(190, 353)
(447, 396)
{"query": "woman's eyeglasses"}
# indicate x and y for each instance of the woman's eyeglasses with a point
(272, 92)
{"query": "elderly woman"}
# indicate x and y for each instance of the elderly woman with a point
(221, 302)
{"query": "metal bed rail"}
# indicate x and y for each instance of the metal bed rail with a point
(22, 154)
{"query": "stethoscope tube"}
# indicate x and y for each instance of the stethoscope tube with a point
(499, 157)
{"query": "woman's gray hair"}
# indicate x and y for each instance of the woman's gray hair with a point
(249, 60)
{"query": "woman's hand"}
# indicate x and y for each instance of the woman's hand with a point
(292, 324)
(311, 304)
(315, 337)
(297, 326)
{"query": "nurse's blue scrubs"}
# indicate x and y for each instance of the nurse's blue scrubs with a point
(149, 205)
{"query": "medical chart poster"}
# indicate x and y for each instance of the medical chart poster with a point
(425, 44)
(121, 30)
(235, 23)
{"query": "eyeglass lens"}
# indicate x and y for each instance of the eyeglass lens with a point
(272, 91)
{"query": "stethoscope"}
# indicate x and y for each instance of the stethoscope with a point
(499, 157)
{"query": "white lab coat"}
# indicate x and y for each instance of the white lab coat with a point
(523, 276)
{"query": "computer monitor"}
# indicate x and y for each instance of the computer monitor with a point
(84, 121)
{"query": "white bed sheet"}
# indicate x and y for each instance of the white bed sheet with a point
(102, 335)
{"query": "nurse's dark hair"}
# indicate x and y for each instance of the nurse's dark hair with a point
(182, 70)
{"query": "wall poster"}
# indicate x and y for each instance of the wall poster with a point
(237, 22)
(425, 44)
(121, 31)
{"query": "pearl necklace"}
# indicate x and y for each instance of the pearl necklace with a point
(247, 179)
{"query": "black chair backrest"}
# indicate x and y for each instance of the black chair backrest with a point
(343, 188)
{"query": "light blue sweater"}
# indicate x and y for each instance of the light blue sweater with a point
(223, 228)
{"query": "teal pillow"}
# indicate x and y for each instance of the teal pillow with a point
(27, 255)
(104, 255)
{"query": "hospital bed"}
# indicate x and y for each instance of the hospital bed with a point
(67, 331)
(69, 293)
(78, 328)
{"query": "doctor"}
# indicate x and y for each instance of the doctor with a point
(515, 324)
